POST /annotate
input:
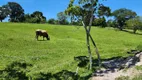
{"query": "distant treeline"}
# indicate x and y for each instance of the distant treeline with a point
(121, 18)
(15, 12)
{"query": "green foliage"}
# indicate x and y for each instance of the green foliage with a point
(51, 21)
(83, 11)
(62, 18)
(122, 15)
(123, 78)
(35, 17)
(4, 11)
(134, 23)
(99, 22)
(80, 12)
(78, 23)
(16, 12)
(104, 10)
(112, 23)
(27, 18)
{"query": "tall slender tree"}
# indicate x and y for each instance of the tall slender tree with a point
(86, 11)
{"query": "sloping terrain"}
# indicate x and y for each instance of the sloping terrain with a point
(17, 43)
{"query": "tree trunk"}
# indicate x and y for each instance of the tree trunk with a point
(88, 45)
(0, 20)
(89, 49)
(88, 35)
(97, 52)
(90, 24)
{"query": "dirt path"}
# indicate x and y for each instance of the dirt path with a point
(131, 72)
(120, 67)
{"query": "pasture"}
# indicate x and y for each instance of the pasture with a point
(18, 43)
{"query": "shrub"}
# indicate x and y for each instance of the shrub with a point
(51, 21)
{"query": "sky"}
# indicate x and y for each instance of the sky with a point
(50, 8)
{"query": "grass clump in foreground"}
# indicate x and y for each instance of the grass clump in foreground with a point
(18, 43)
(123, 78)
(138, 77)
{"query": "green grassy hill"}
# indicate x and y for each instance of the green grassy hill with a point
(17, 43)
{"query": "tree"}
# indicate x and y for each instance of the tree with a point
(51, 21)
(4, 12)
(16, 12)
(62, 18)
(134, 23)
(104, 11)
(122, 15)
(112, 23)
(38, 17)
(100, 22)
(27, 17)
(85, 12)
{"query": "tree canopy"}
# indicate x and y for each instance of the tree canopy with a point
(134, 23)
(100, 22)
(38, 17)
(104, 11)
(4, 12)
(62, 18)
(16, 12)
(122, 15)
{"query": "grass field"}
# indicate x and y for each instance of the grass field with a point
(17, 43)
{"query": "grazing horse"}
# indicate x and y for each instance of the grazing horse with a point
(43, 33)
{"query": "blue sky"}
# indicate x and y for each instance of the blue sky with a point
(50, 8)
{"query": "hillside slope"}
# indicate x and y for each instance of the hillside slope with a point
(17, 43)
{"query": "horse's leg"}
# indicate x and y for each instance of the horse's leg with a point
(43, 38)
(36, 37)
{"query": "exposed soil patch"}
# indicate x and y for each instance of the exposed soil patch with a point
(119, 67)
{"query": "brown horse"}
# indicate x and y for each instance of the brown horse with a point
(43, 33)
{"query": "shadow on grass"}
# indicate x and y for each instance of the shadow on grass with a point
(15, 71)
(18, 70)
(110, 64)
(83, 61)
(131, 32)
(62, 75)
(42, 40)
(68, 75)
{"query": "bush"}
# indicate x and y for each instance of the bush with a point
(51, 21)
